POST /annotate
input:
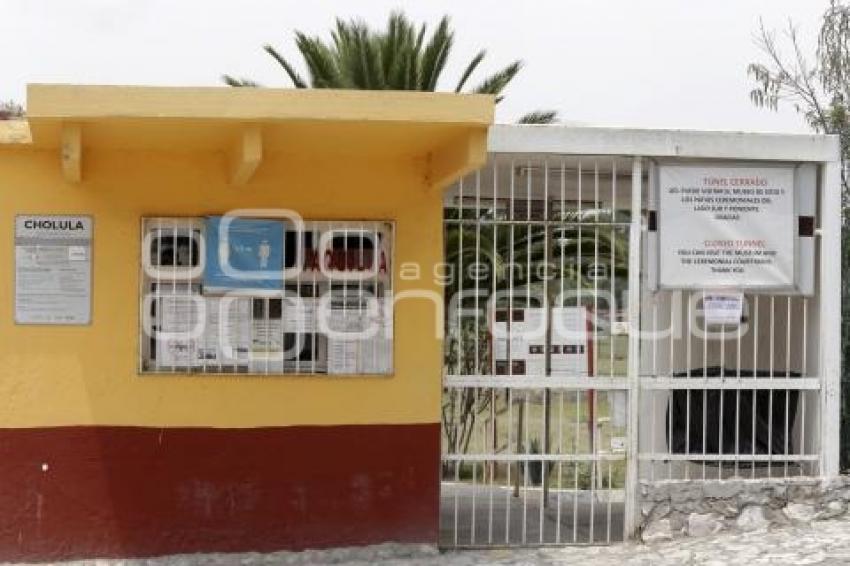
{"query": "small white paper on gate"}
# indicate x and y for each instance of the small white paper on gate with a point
(722, 307)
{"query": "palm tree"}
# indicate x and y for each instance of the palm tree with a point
(397, 58)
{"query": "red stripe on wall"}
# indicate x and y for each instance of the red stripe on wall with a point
(125, 491)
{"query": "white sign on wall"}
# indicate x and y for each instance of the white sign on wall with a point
(726, 227)
(53, 269)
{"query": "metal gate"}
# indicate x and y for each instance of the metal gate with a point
(558, 335)
(541, 290)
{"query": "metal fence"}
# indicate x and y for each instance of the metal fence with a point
(732, 401)
(568, 379)
(535, 404)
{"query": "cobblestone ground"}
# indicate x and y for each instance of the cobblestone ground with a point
(822, 542)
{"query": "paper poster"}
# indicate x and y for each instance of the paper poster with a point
(726, 227)
(722, 308)
(299, 314)
(569, 350)
(227, 335)
(53, 269)
(243, 253)
(375, 350)
(195, 331)
(520, 347)
(361, 340)
(266, 338)
(179, 328)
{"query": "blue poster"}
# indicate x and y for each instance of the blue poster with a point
(243, 253)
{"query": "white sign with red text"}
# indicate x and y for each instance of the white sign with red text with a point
(726, 227)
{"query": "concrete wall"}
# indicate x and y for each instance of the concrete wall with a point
(99, 460)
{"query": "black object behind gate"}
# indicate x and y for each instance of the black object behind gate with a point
(759, 422)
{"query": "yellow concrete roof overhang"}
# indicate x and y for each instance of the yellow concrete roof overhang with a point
(446, 131)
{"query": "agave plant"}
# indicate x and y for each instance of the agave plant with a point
(399, 57)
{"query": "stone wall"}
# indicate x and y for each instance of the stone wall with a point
(672, 509)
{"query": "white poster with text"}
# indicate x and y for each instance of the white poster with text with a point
(53, 269)
(726, 227)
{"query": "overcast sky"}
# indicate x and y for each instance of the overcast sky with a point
(654, 63)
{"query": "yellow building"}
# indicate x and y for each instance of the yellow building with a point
(105, 450)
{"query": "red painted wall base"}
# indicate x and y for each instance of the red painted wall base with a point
(69, 492)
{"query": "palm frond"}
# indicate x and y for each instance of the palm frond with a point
(470, 69)
(296, 79)
(320, 60)
(233, 81)
(415, 71)
(395, 48)
(496, 83)
(539, 117)
(358, 55)
(435, 54)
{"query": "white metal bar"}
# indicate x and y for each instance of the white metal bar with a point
(457, 467)
(526, 409)
(473, 506)
(632, 504)
(755, 397)
(562, 217)
(510, 451)
(534, 222)
(589, 140)
(788, 374)
(608, 510)
(477, 366)
(704, 393)
(560, 466)
(575, 451)
(743, 384)
(545, 413)
(461, 354)
(529, 457)
(829, 332)
(477, 264)
(314, 240)
(726, 457)
(191, 304)
(612, 307)
(688, 373)
(536, 382)
(771, 361)
(594, 440)
(492, 318)
(654, 370)
(721, 395)
(299, 238)
(805, 372)
(577, 432)
(738, 397)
